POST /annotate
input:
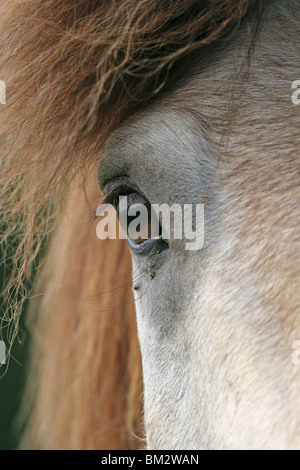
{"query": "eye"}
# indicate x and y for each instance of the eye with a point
(143, 230)
(134, 213)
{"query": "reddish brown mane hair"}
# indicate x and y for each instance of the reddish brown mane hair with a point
(74, 71)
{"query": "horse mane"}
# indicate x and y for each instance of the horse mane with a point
(88, 391)
(74, 70)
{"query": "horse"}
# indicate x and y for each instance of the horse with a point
(179, 103)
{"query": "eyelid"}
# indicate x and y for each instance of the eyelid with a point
(120, 190)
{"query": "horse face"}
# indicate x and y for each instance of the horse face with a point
(216, 325)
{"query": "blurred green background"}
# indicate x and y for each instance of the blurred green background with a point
(11, 387)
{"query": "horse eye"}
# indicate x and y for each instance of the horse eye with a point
(140, 224)
(134, 213)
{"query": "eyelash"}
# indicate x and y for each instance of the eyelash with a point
(110, 199)
(122, 190)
